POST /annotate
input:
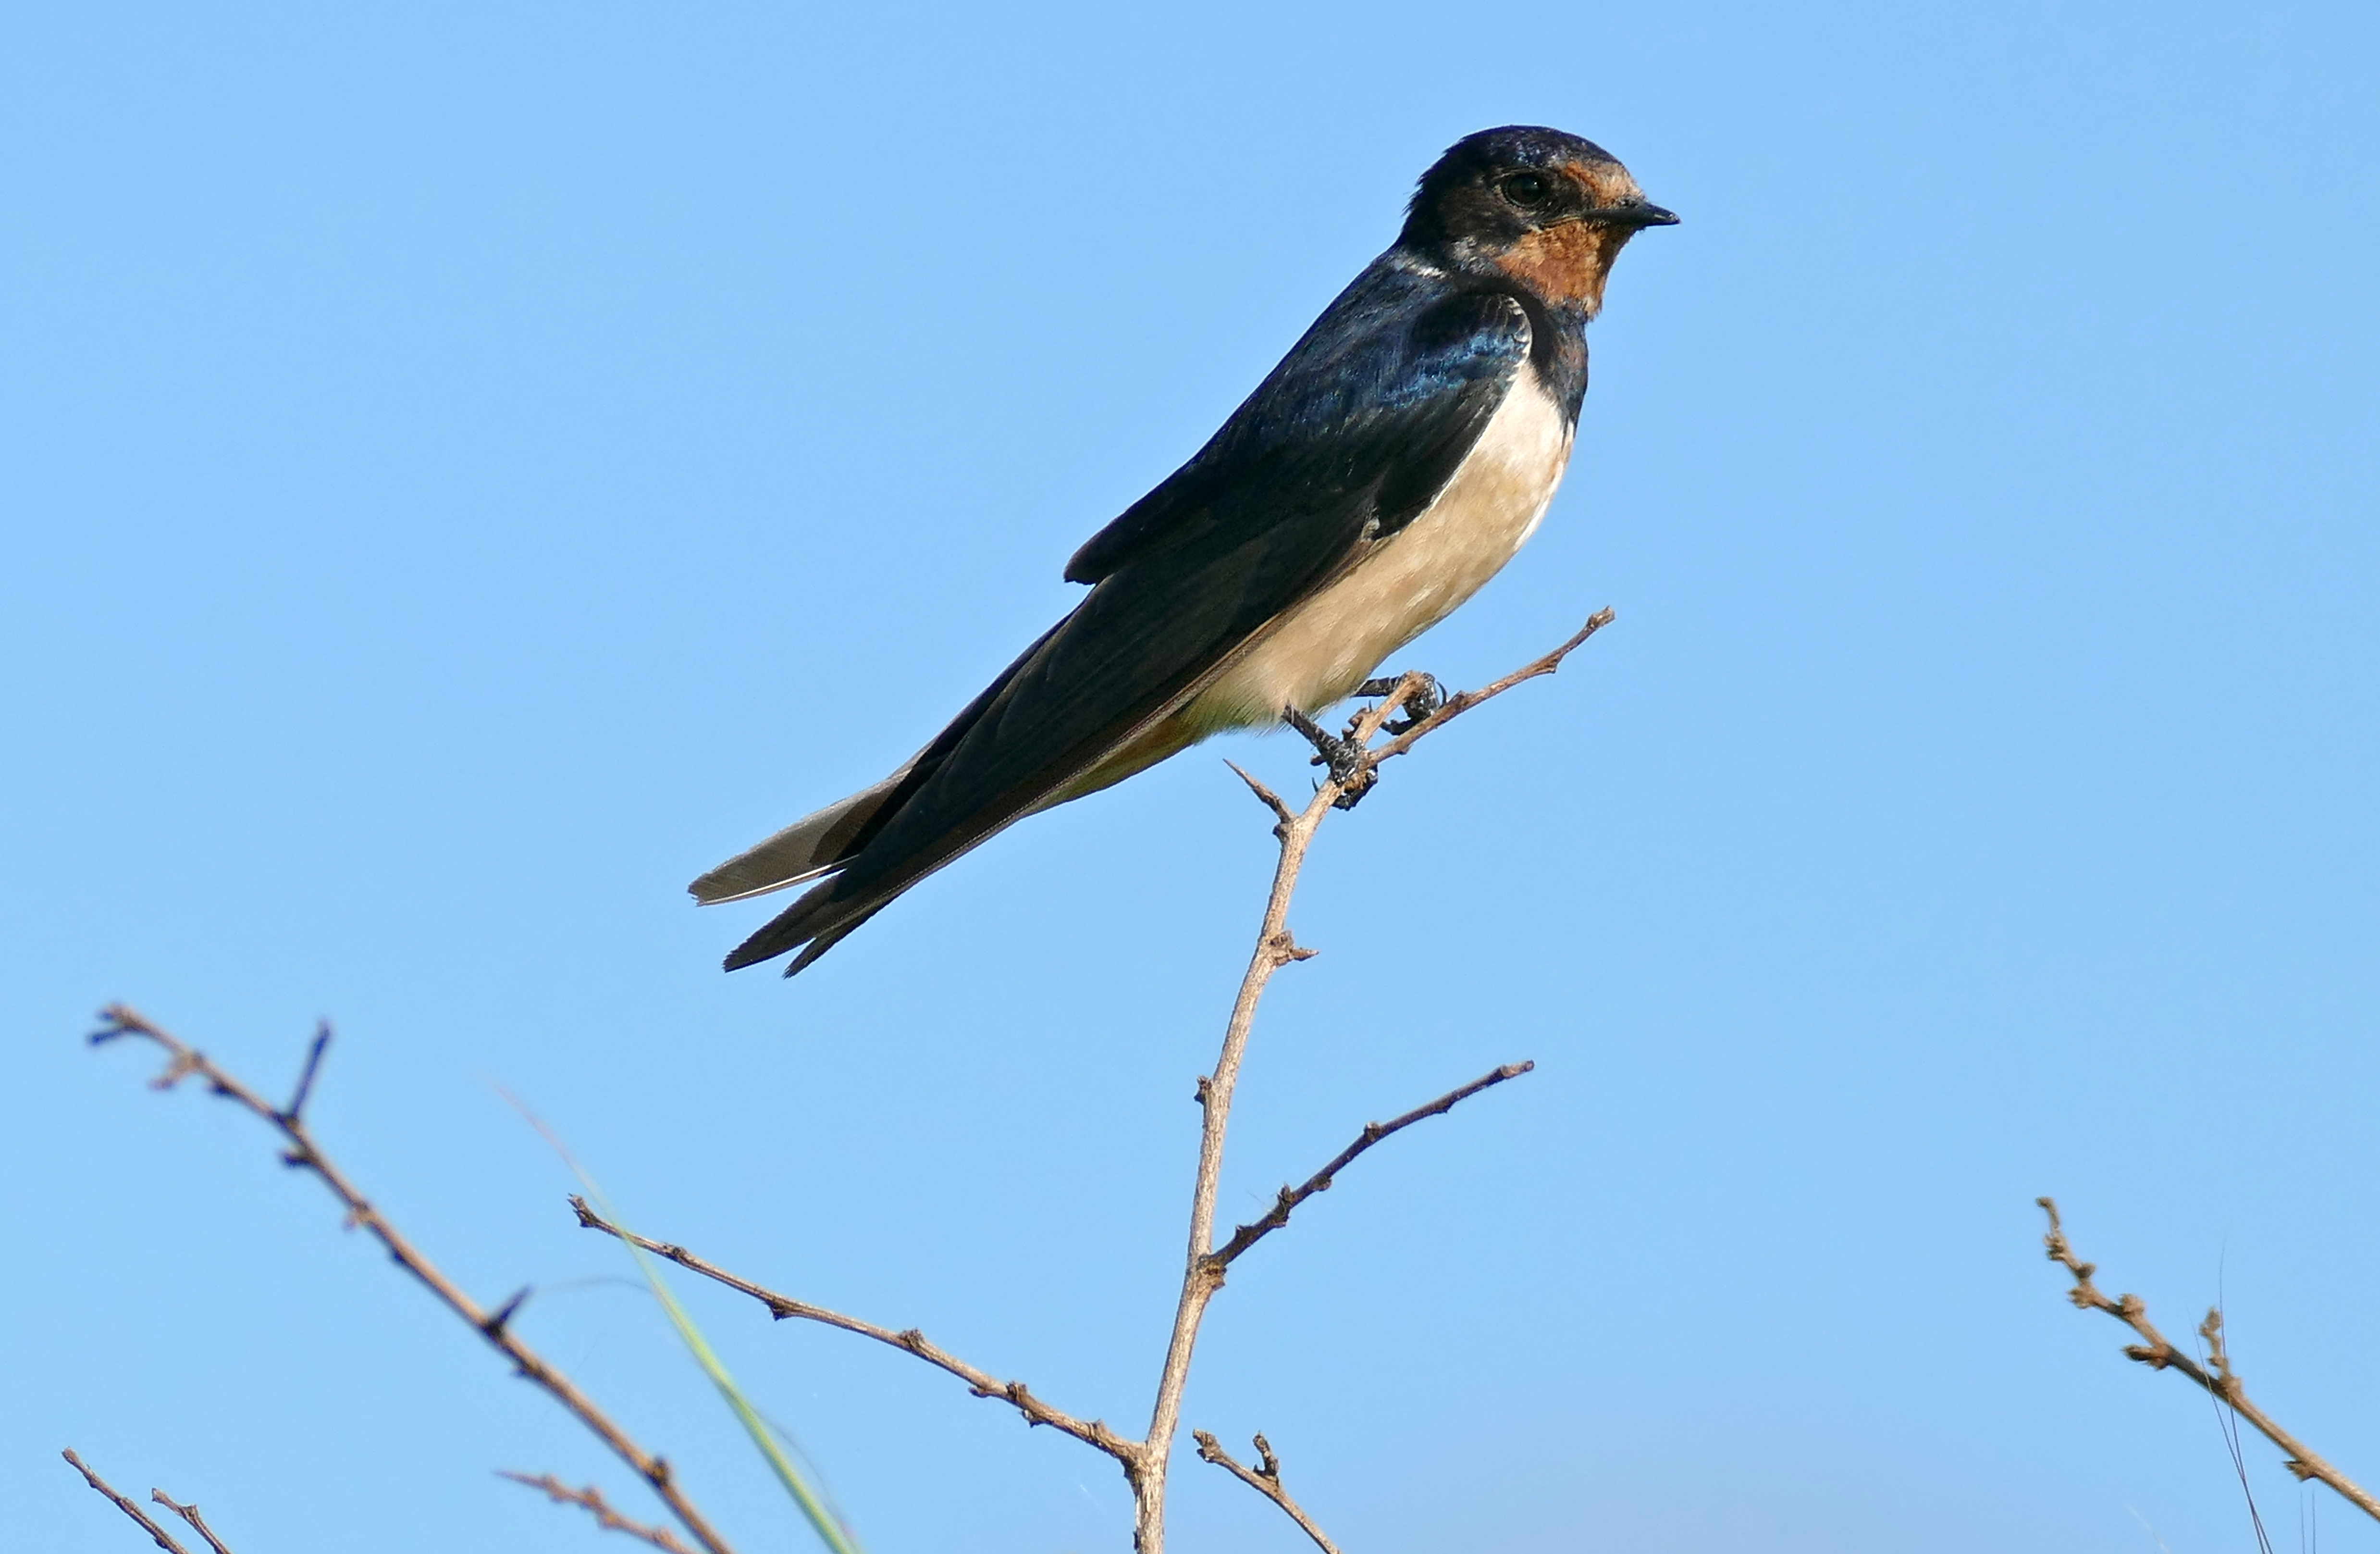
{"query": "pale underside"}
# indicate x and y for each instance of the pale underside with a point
(1317, 652)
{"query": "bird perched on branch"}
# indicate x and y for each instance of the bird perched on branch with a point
(1390, 465)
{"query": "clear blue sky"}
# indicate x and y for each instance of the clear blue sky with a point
(468, 470)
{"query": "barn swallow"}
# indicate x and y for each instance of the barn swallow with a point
(1390, 465)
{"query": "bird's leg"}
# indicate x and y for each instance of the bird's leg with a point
(1343, 757)
(1419, 703)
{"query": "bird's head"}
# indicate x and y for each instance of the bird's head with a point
(1536, 206)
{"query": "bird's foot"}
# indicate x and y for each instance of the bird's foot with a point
(1419, 703)
(1348, 765)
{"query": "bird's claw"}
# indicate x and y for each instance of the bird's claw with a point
(1419, 703)
(1347, 760)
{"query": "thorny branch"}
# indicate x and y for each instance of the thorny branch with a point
(1264, 1479)
(982, 1383)
(1247, 1236)
(606, 1518)
(184, 1061)
(125, 1504)
(2216, 1375)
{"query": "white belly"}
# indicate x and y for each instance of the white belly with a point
(1329, 644)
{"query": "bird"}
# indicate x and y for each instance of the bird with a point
(1392, 463)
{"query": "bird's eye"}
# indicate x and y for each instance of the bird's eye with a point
(1529, 190)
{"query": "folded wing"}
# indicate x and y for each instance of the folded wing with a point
(1344, 443)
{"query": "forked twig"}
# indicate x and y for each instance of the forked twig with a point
(2216, 1377)
(1265, 796)
(592, 1500)
(303, 1154)
(982, 1383)
(1144, 1462)
(1247, 1236)
(1264, 1479)
(1462, 702)
(1202, 1274)
(125, 1504)
(190, 1513)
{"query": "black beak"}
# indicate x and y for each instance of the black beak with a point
(1634, 214)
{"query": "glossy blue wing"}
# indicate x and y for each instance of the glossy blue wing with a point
(1347, 441)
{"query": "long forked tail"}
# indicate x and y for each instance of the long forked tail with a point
(817, 844)
(817, 922)
(802, 851)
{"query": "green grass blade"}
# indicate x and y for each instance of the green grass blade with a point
(829, 1530)
(830, 1527)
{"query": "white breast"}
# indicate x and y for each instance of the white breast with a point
(1331, 643)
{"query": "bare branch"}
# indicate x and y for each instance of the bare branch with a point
(1353, 763)
(183, 1060)
(1271, 800)
(125, 1504)
(606, 1518)
(1248, 1236)
(190, 1513)
(1462, 701)
(314, 1050)
(1275, 948)
(907, 1339)
(1265, 1479)
(2218, 1378)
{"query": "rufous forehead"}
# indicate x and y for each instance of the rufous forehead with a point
(1607, 183)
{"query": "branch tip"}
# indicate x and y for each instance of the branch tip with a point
(501, 1318)
(190, 1513)
(300, 1152)
(591, 1499)
(1246, 1236)
(314, 1050)
(124, 1503)
(1265, 1479)
(982, 1384)
(2215, 1377)
(1269, 799)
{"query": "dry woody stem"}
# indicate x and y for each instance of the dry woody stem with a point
(1353, 763)
(592, 1500)
(1264, 1479)
(190, 1513)
(183, 1061)
(1145, 1460)
(125, 1503)
(2215, 1375)
(982, 1383)
(1248, 1236)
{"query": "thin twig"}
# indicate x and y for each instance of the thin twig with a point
(2216, 1377)
(1248, 1236)
(1269, 799)
(314, 1050)
(910, 1341)
(1265, 1479)
(606, 1518)
(190, 1513)
(1275, 948)
(183, 1060)
(1144, 1462)
(1462, 701)
(125, 1504)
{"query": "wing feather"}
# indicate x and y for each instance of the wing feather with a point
(1344, 443)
